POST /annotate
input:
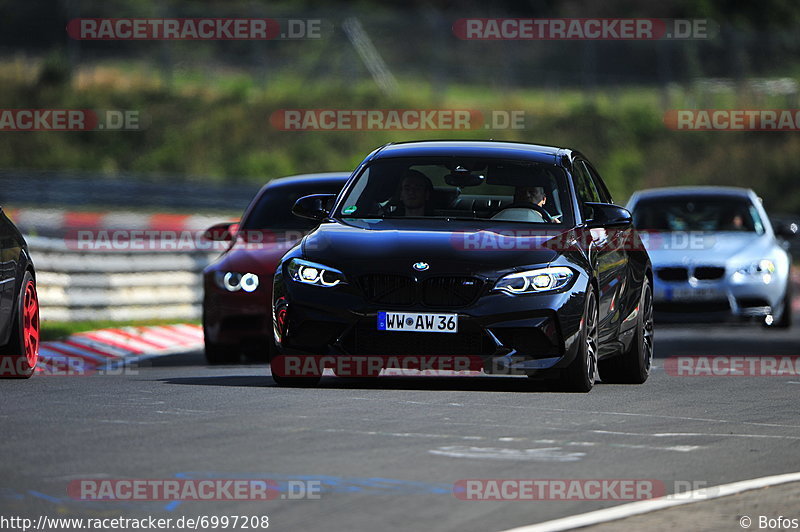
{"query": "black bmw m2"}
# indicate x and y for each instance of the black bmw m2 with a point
(509, 254)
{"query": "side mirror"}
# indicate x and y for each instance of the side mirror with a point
(222, 232)
(608, 215)
(785, 230)
(314, 207)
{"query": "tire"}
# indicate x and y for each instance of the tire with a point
(292, 382)
(371, 376)
(258, 350)
(19, 357)
(221, 354)
(296, 382)
(633, 366)
(580, 375)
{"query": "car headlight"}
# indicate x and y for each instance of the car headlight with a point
(532, 281)
(235, 281)
(764, 268)
(307, 272)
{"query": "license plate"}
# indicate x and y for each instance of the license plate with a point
(695, 294)
(417, 322)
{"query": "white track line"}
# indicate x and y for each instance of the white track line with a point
(641, 507)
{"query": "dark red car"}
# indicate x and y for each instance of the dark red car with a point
(237, 287)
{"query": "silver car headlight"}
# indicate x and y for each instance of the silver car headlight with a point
(235, 281)
(307, 272)
(533, 281)
(765, 269)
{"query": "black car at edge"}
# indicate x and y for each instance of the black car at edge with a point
(19, 305)
(509, 253)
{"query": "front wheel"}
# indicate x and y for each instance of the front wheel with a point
(19, 357)
(579, 376)
(633, 366)
(280, 365)
(296, 382)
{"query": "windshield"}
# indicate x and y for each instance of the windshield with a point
(692, 213)
(495, 190)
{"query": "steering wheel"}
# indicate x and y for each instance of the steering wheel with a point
(532, 206)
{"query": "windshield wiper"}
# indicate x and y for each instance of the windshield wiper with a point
(384, 217)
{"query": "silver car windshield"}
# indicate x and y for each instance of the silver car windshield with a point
(697, 214)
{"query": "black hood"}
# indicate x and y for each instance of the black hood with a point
(391, 245)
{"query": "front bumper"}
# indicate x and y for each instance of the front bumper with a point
(522, 334)
(235, 318)
(719, 300)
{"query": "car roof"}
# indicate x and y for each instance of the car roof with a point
(472, 148)
(666, 192)
(323, 178)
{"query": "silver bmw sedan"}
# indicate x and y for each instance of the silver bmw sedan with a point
(715, 254)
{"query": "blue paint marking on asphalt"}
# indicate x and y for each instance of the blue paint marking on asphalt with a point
(44, 496)
(410, 487)
(172, 505)
(327, 484)
(335, 484)
(7, 493)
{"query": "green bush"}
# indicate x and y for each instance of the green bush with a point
(220, 130)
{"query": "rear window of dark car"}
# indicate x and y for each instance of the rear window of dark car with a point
(274, 208)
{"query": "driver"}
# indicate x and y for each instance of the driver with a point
(533, 195)
(415, 194)
(528, 206)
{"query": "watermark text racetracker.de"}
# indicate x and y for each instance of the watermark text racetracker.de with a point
(733, 119)
(299, 366)
(197, 489)
(733, 366)
(69, 365)
(504, 239)
(194, 29)
(488, 239)
(172, 489)
(395, 119)
(72, 120)
(63, 365)
(579, 489)
(536, 29)
(163, 240)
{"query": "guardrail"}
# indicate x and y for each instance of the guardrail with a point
(78, 285)
(78, 189)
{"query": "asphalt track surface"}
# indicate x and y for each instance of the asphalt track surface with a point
(385, 454)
